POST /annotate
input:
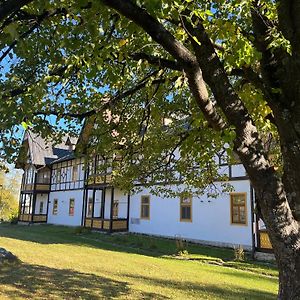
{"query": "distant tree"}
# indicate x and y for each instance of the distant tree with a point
(220, 72)
(9, 195)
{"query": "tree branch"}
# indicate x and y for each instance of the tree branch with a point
(247, 143)
(38, 21)
(158, 61)
(109, 102)
(252, 77)
(184, 57)
(11, 6)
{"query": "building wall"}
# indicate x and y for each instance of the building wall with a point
(211, 218)
(62, 217)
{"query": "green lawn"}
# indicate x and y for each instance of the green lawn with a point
(58, 263)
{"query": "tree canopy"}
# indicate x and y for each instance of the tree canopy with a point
(80, 59)
(218, 72)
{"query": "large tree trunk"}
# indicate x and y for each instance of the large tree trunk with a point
(289, 274)
(284, 234)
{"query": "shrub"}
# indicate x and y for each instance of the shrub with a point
(80, 230)
(239, 253)
(181, 246)
(152, 245)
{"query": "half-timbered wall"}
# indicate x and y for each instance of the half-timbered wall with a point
(68, 175)
(29, 174)
(119, 196)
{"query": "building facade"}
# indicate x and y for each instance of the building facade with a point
(59, 188)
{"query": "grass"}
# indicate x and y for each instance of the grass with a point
(59, 263)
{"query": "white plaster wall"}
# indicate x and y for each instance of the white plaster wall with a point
(238, 171)
(41, 198)
(63, 217)
(210, 218)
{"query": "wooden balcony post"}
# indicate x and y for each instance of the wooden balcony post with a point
(128, 209)
(93, 207)
(83, 213)
(103, 195)
(33, 205)
(111, 210)
(20, 205)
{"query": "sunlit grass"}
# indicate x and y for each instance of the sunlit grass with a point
(59, 264)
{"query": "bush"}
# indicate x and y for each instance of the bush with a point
(120, 239)
(181, 247)
(139, 244)
(152, 245)
(80, 230)
(239, 253)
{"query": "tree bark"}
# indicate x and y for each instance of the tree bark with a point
(284, 235)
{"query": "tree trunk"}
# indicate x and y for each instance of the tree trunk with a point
(289, 274)
(284, 234)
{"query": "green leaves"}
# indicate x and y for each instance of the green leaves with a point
(81, 60)
(11, 29)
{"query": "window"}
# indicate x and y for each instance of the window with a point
(58, 175)
(41, 210)
(90, 207)
(74, 173)
(115, 209)
(55, 207)
(145, 207)
(186, 208)
(71, 207)
(238, 208)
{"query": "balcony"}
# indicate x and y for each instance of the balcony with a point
(108, 225)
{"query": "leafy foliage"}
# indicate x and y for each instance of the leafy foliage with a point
(8, 197)
(65, 61)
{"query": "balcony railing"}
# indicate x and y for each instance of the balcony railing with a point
(99, 179)
(264, 240)
(36, 218)
(106, 224)
(36, 187)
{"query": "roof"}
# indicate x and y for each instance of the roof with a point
(64, 158)
(43, 152)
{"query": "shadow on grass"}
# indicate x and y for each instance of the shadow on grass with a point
(51, 234)
(209, 290)
(150, 246)
(38, 282)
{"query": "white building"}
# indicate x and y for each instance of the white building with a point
(58, 188)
